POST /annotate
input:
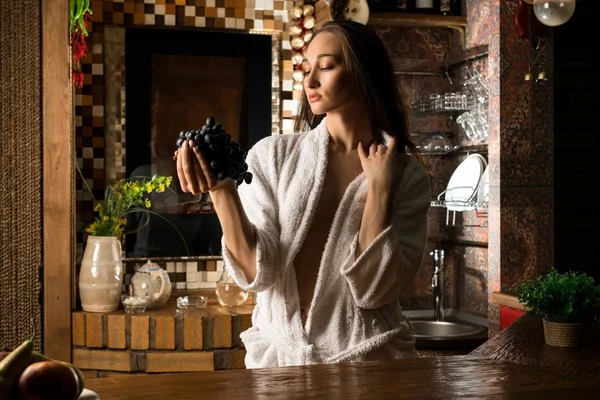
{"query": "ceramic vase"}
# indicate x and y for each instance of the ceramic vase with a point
(101, 274)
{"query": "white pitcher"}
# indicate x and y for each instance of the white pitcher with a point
(152, 282)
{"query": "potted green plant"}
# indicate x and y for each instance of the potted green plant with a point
(565, 300)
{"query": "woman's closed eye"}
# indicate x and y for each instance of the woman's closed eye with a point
(306, 72)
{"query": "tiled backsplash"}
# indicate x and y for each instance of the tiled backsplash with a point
(200, 274)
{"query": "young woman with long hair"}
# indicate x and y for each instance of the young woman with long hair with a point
(332, 229)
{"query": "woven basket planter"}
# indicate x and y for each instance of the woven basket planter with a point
(565, 334)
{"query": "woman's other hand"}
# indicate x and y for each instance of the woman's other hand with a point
(377, 164)
(195, 175)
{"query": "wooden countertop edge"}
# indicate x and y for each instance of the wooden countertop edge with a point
(508, 300)
(170, 310)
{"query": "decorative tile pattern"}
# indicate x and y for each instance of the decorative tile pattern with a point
(98, 145)
(194, 274)
(520, 233)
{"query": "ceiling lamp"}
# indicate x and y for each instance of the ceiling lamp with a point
(553, 12)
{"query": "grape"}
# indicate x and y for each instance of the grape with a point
(226, 158)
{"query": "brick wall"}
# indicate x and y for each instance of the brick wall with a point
(163, 340)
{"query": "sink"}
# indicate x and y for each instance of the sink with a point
(443, 329)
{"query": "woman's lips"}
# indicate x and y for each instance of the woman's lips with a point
(314, 97)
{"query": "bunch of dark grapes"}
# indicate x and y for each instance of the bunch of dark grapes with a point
(226, 157)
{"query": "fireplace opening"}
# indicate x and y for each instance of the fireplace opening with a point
(175, 79)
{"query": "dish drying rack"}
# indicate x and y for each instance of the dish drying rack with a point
(472, 204)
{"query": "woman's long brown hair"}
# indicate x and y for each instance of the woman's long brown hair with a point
(371, 76)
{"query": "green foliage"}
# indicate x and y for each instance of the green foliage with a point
(123, 198)
(565, 297)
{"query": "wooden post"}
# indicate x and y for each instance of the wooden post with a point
(57, 139)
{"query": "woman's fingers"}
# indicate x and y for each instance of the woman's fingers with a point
(373, 149)
(201, 175)
(190, 170)
(361, 151)
(391, 150)
(180, 173)
(209, 179)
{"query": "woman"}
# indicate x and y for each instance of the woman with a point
(332, 230)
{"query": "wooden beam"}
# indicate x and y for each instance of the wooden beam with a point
(57, 142)
(417, 20)
(508, 300)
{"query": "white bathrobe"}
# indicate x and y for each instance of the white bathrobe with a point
(354, 314)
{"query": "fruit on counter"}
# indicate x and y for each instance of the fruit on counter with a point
(12, 366)
(226, 157)
(49, 380)
(38, 357)
(20, 370)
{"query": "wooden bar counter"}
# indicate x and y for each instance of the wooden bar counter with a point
(523, 343)
(449, 377)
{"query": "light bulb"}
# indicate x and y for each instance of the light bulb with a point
(553, 12)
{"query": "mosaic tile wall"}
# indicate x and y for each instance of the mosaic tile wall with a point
(185, 274)
(98, 143)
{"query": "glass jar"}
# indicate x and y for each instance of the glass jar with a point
(228, 292)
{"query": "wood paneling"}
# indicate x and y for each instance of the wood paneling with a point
(57, 175)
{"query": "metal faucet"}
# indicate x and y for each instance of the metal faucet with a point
(437, 283)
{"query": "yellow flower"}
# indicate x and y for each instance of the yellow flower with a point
(119, 199)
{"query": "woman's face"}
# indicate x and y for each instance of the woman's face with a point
(325, 80)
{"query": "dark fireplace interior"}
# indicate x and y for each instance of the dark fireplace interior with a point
(175, 79)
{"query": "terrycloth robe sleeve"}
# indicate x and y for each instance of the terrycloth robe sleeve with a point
(385, 269)
(259, 202)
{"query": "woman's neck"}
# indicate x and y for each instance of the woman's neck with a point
(347, 130)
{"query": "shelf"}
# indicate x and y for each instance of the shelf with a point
(475, 148)
(417, 20)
